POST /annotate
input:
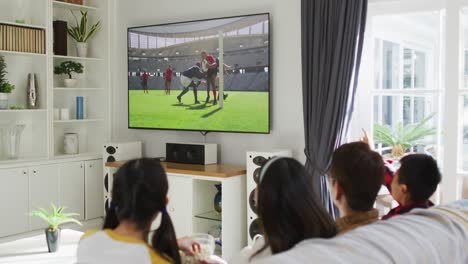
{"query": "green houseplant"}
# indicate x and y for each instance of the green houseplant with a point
(54, 219)
(5, 87)
(81, 34)
(401, 138)
(67, 68)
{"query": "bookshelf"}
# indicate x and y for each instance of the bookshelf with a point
(43, 137)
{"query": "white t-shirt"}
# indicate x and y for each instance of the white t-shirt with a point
(245, 256)
(106, 246)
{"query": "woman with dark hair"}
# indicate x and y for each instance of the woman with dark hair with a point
(139, 194)
(288, 210)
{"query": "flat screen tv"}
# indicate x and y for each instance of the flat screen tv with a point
(205, 75)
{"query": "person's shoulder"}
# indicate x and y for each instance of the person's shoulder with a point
(156, 258)
(89, 233)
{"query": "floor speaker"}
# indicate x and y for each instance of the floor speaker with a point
(255, 160)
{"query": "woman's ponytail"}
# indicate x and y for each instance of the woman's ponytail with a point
(111, 220)
(164, 239)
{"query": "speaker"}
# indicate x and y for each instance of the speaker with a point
(192, 153)
(60, 37)
(115, 152)
(255, 161)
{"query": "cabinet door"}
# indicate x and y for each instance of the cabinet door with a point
(14, 201)
(180, 204)
(71, 187)
(43, 190)
(94, 189)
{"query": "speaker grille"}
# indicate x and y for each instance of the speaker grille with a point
(254, 228)
(252, 201)
(111, 150)
(110, 159)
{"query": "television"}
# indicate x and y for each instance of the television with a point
(204, 75)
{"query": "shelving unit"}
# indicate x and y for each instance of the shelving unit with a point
(43, 136)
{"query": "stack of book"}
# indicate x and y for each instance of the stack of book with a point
(22, 39)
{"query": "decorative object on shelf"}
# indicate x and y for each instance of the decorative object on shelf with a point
(33, 101)
(402, 137)
(79, 107)
(69, 67)
(11, 135)
(60, 37)
(217, 199)
(64, 114)
(20, 11)
(5, 87)
(22, 39)
(81, 34)
(54, 220)
(70, 143)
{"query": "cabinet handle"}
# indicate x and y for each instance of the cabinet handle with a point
(24, 172)
(34, 171)
(91, 165)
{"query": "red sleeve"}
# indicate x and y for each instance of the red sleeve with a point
(210, 59)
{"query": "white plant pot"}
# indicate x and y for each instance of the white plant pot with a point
(82, 49)
(70, 83)
(3, 101)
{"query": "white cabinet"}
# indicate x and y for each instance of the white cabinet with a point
(14, 207)
(43, 190)
(180, 204)
(71, 188)
(94, 189)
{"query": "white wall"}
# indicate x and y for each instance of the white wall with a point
(286, 115)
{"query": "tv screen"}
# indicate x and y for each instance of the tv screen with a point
(205, 75)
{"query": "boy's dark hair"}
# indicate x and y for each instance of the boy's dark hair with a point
(360, 172)
(139, 192)
(420, 173)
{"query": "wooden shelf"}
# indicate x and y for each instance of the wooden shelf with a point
(212, 170)
(21, 25)
(59, 4)
(77, 121)
(77, 89)
(23, 111)
(22, 53)
(76, 58)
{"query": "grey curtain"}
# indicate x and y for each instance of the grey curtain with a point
(332, 40)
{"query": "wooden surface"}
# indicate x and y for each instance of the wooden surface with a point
(213, 170)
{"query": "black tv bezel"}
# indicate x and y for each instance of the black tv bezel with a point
(197, 130)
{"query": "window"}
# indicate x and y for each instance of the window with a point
(244, 31)
(257, 28)
(160, 42)
(152, 42)
(170, 42)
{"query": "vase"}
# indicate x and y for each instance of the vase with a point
(11, 135)
(70, 143)
(32, 92)
(82, 49)
(217, 199)
(53, 239)
(3, 101)
(70, 83)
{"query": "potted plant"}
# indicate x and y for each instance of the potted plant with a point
(402, 137)
(81, 34)
(68, 67)
(53, 220)
(5, 87)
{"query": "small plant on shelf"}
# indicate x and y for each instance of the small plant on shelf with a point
(402, 137)
(69, 67)
(54, 219)
(81, 34)
(5, 86)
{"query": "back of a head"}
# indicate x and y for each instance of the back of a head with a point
(288, 207)
(360, 172)
(420, 174)
(139, 192)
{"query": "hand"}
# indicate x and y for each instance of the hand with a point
(365, 137)
(188, 246)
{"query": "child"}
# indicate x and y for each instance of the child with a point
(356, 176)
(138, 196)
(288, 210)
(413, 183)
